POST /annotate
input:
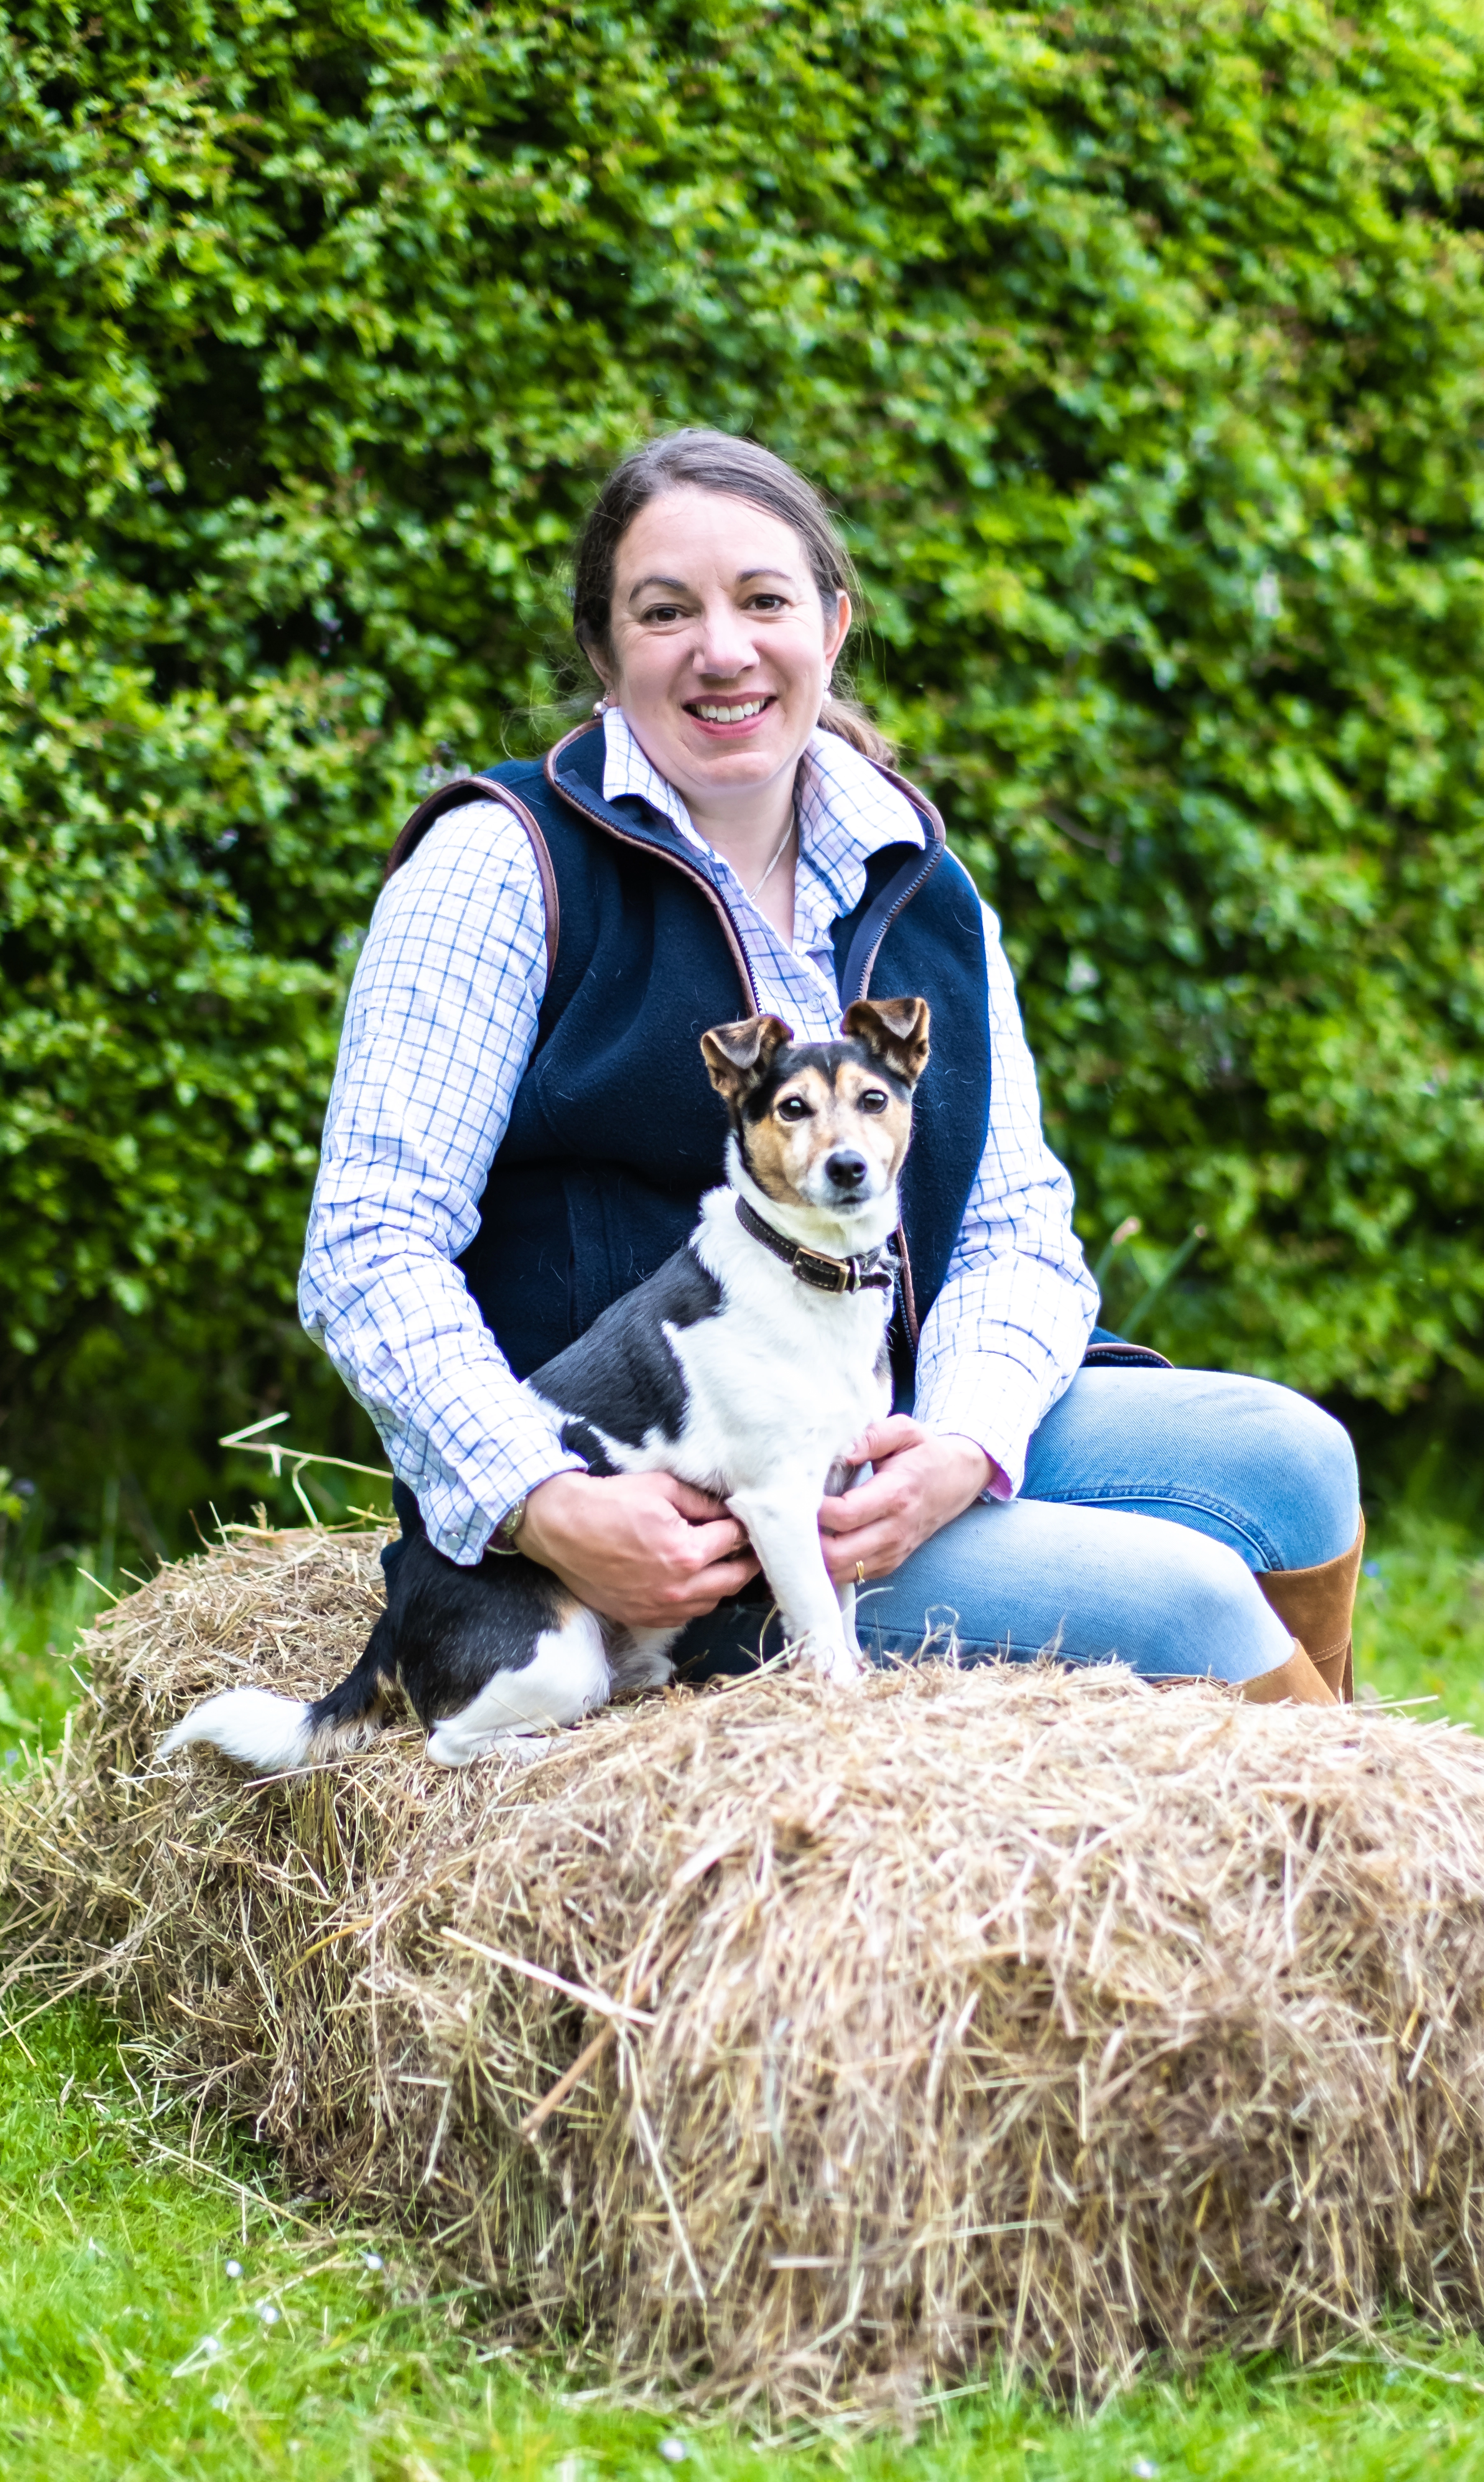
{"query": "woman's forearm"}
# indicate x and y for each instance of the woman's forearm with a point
(456, 1426)
(438, 1029)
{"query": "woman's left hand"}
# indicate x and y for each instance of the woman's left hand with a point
(920, 1482)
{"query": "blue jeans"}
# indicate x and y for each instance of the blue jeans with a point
(1150, 1496)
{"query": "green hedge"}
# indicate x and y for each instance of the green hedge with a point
(1142, 345)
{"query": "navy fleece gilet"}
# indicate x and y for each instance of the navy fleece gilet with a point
(616, 1132)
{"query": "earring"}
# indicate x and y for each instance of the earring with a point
(600, 706)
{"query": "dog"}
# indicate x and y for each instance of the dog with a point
(746, 1366)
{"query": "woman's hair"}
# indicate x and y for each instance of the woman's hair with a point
(713, 461)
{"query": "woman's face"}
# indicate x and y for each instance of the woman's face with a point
(720, 646)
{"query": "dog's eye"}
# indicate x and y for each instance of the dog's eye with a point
(873, 1099)
(793, 1107)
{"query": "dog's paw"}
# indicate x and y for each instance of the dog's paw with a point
(639, 1660)
(453, 1750)
(522, 1749)
(839, 1665)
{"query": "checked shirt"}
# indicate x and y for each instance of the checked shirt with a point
(439, 1027)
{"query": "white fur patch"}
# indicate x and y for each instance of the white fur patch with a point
(778, 1382)
(566, 1678)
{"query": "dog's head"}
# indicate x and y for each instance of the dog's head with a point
(822, 1126)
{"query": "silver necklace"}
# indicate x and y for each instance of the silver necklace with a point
(752, 894)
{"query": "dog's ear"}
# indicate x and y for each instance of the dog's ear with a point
(895, 1030)
(738, 1057)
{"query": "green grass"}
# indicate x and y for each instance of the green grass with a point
(39, 1628)
(128, 2349)
(1419, 1622)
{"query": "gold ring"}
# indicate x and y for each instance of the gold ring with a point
(860, 1573)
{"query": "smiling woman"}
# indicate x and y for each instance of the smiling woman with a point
(721, 667)
(522, 1130)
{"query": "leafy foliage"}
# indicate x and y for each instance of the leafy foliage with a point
(1142, 344)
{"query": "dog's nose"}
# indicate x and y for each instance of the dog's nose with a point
(847, 1172)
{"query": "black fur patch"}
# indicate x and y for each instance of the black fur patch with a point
(623, 1375)
(367, 1692)
(580, 1439)
(452, 1629)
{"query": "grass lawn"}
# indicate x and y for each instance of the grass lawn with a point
(161, 2316)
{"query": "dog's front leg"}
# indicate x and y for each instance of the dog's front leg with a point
(785, 1534)
(841, 1478)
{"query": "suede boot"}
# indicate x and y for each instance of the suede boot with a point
(1297, 1679)
(1317, 1605)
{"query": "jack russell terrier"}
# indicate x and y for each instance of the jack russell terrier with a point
(747, 1366)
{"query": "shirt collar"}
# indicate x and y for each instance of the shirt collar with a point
(847, 809)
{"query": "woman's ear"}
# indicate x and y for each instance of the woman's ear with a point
(838, 630)
(607, 677)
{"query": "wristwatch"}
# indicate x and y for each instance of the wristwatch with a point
(503, 1539)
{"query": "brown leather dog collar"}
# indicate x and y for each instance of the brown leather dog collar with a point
(824, 1274)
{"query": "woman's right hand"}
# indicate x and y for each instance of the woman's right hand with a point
(642, 1549)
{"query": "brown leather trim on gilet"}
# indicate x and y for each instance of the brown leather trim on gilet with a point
(642, 844)
(483, 789)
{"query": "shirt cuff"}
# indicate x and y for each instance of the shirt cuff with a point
(461, 1511)
(994, 1402)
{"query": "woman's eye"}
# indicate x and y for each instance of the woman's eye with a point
(766, 602)
(661, 612)
(873, 1099)
(793, 1107)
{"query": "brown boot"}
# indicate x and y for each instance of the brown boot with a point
(1297, 1679)
(1317, 1604)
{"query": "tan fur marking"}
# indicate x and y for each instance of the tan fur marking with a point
(781, 1152)
(363, 1731)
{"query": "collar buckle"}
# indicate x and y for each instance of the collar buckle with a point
(827, 1275)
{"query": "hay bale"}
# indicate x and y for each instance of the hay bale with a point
(970, 2013)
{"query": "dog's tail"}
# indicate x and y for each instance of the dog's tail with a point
(271, 1735)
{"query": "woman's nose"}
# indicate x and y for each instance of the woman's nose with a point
(724, 646)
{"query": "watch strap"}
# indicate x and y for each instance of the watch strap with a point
(503, 1539)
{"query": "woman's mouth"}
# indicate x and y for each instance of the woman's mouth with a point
(721, 712)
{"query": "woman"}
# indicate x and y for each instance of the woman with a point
(522, 1126)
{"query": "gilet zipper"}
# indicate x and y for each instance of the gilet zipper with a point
(694, 872)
